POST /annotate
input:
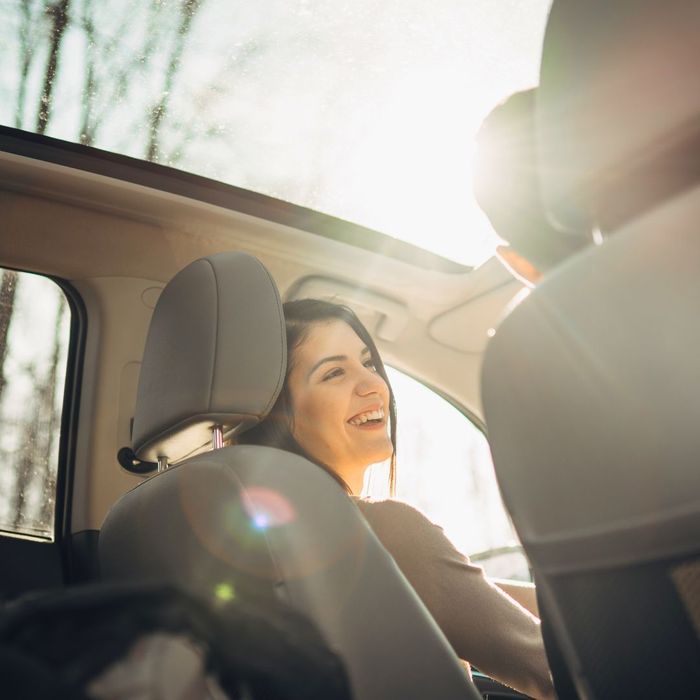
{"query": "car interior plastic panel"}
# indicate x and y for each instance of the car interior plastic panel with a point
(590, 386)
(255, 523)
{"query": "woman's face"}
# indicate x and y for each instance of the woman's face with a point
(340, 404)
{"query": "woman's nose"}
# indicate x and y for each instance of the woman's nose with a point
(370, 383)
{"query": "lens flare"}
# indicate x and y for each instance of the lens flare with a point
(267, 508)
(261, 521)
(224, 592)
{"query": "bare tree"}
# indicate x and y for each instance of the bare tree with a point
(110, 72)
(186, 131)
(8, 290)
(28, 23)
(26, 456)
(159, 110)
(35, 467)
(87, 125)
(57, 13)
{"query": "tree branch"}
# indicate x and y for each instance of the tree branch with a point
(58, 14)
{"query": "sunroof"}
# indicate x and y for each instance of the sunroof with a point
(364, 110)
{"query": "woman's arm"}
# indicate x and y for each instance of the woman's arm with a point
(521, 592)
(483, 624)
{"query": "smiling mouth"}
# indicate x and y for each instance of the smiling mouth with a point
(368, 418)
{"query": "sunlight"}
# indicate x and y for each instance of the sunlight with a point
(413, 180)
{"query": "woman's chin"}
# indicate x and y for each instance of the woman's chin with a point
(380, 455)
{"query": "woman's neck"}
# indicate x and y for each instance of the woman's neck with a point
(354, 478)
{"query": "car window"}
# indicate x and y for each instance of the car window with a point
(34, 336)
(444, 468)
(365, 110)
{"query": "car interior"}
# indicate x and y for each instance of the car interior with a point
(114, 244)
(585, 385)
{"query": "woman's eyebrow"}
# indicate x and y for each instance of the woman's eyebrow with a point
(331, 358)
(334, 358)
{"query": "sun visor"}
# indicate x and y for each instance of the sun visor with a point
(215, 354)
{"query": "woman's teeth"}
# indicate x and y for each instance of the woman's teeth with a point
(364, 417)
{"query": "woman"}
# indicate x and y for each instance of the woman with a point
(337, 410)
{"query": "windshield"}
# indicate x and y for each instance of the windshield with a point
(364, 110)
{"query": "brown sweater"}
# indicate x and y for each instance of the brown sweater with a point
(482, 623)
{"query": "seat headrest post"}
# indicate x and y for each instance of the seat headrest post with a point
(217, 437)
(162, 463)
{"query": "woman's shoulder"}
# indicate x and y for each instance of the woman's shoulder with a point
(412, 538)
(390, 508)
(393, 519)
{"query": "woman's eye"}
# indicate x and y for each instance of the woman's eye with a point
(333, 373)
(369, 364)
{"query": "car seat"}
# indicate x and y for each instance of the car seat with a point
(255, 522)
(590, 386)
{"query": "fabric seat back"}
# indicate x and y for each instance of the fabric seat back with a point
(590, 386)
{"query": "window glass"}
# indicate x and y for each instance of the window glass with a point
(444, 468)
(365, 110)
(34, 335)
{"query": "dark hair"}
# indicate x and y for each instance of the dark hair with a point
(276, 429)
(506, 184)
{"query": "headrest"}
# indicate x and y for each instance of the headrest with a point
(215, 355)
(507, 188)
(617, 101)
